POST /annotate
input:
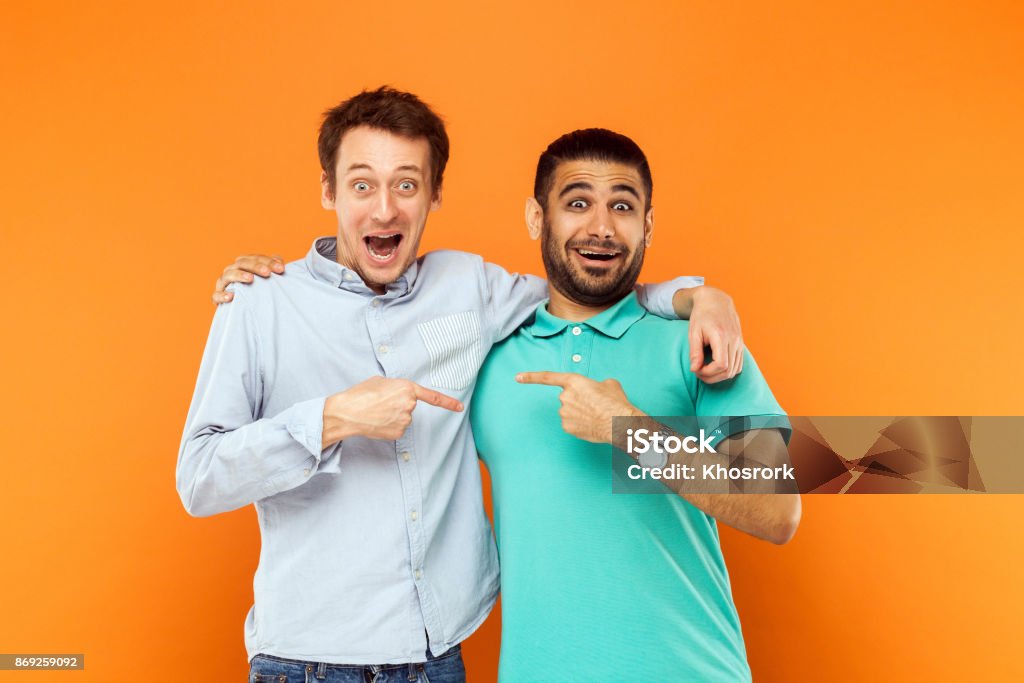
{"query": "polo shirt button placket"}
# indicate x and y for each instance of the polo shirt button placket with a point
(580, 341)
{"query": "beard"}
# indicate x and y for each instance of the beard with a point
(592, 286)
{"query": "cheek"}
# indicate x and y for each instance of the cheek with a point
(413, 212)
(631, 231)
(351, 216)
(567, 227)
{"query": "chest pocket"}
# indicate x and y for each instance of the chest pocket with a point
(453, 343)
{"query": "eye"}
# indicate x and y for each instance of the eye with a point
(361, 186)
(622, 206)
(578, 204)
(406, 186)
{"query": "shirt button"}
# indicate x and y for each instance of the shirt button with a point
(306, 471)
(576, 358)
(405, 456)
(348, 276)
(383, 348)
(414, 515)
(375, 303)
(576, 331)
(418, 575)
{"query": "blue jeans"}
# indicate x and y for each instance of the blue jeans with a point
(448, 668)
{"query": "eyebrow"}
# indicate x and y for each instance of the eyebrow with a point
(582, 185)
(366, 167)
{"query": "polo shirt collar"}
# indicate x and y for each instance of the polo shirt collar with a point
(322, 261)
(612, 322)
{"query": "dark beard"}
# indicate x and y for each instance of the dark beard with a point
(596, 291)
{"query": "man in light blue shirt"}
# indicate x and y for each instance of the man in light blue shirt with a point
(377, 558)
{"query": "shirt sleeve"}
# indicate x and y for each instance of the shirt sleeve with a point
(511, 298)
(739, 404)
(230, 455)
(657, 298)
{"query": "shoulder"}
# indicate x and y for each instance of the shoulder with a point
(459, 274)
(653, 328)
(451, 259)
(262, 292)
(665, 342)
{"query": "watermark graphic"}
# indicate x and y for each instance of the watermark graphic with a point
(829, 455)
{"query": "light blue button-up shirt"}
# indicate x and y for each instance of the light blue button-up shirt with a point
(371, 550)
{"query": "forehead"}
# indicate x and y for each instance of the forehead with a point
(379, 150)
(600, 175)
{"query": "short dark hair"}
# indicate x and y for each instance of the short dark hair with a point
(590, 144)
(397, 112)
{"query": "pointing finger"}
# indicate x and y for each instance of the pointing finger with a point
(436, 398)
(554, 379)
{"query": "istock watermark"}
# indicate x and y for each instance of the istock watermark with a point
(812, 455)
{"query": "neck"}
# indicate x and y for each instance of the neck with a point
(565, 308)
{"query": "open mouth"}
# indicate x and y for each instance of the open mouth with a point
(382, 247)
(595, 255)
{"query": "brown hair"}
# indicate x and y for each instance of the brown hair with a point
(387, 109)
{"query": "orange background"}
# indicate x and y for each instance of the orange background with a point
(852, 175)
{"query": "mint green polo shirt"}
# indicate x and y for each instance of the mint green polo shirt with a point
(596, 585)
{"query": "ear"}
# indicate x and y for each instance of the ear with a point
(326, 195)
(649, 227)
(435, 203)
(534, 218)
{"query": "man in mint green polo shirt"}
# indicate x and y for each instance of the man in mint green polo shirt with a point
(596, 585)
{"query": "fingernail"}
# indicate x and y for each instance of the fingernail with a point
(519, 378)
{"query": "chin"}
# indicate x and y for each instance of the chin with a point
(374, 274)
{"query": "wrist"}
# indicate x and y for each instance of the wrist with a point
(705, 294)
(683, 301)
(335, 427)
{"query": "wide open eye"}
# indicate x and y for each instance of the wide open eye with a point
(407, 186)
(360, 186)
(622, 206)
(578, 204)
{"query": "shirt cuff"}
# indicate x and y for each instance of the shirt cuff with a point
(306, 425)
(721, 428)
(657, 298)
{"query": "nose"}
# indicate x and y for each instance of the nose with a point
(384, 209)
(602, 225)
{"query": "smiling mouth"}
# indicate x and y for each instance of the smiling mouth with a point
(597, 255)
(382, 247)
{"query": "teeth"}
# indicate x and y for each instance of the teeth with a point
(598, 253)
(380, 247)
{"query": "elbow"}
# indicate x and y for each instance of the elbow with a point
(196, 510)
(193, 499)
(193, 505)
(786, 522)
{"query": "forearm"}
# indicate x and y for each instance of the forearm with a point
(224, 469)
(686, 299)
(660, 298)
(767, 508)
(771, 517)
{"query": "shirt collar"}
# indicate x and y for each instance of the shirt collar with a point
(612, 322)
(322, 261)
